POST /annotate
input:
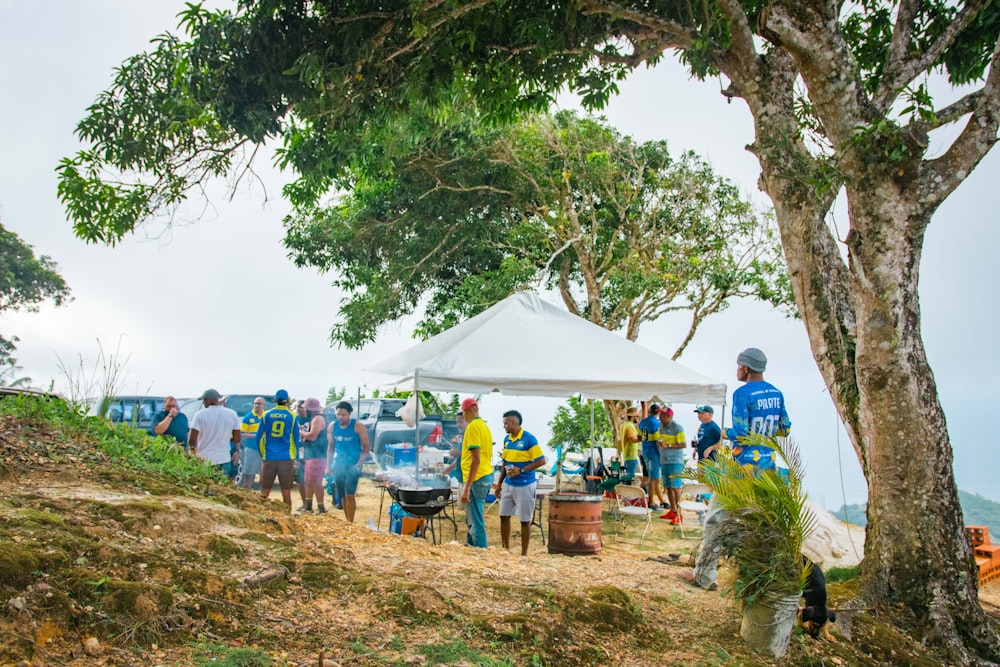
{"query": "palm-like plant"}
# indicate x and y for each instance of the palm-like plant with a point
(767, 520)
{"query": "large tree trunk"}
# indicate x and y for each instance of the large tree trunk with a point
(863, 322)
(916, 533)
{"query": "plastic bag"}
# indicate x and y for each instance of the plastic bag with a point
(411, 412)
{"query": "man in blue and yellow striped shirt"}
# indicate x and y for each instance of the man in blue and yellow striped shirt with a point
(522, 455)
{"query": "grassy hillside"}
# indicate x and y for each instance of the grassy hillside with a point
(978, 511)
(117, 549)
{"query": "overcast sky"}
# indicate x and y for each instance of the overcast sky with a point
(216, 303)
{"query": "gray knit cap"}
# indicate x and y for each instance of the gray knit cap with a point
(753, 359)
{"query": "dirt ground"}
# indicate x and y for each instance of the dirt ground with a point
(100, 565)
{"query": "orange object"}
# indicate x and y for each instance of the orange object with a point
(991, 551)
(413, 525)
(977, 535)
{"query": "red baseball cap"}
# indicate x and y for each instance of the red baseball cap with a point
(469, 404)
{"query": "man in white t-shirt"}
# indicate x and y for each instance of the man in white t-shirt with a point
(211, 431)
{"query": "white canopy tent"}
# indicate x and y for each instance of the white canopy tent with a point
(523, 346)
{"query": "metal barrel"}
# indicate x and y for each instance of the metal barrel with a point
(574, 524)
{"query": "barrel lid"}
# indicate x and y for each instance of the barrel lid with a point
(575, 497)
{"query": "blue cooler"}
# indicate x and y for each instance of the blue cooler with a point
(401, 454)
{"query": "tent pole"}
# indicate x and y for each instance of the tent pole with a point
(416, 425)
(592, 472)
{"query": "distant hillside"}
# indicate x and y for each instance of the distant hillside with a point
(978, 511)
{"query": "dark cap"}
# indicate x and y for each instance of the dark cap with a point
(210, 393)
(281, 395)
(705, 408)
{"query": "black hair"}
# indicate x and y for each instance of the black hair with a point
(514, 413)
(344, 405)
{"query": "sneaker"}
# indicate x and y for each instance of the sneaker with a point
(670, 514)
(676, 520)
(304, 510)
(320, 510)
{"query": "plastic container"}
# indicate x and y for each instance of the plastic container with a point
(401, 454)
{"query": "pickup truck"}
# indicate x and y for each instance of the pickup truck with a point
(384, 428)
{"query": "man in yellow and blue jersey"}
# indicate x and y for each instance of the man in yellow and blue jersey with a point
(522, 455)
(278, 441)
(250, 457)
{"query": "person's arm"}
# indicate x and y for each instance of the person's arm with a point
(503, 474)
(535, 465)
(315, 428)
(785, 425)
(163, 424)
(331, 448)
(713, 436)
(193, 440)
(473, 467)
(681, 441)
(633, 433)
(741, 420)
(362, 432)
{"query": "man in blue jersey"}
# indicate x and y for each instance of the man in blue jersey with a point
(350, 447)
(278, 441)
(709, 433)
(649, 429)
(521, 455)
(758, 408)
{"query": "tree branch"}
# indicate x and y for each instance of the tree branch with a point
(681, 36)
(941, 176)
(899, 70)
(458, 12)
(951, 113)
(742, 52)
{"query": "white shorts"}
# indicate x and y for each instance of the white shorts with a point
(518, 501)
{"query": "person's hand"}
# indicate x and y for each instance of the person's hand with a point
(173, 412)
(465, 495)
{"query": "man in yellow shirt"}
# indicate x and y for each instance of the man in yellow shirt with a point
(477, 471)
(629, 439)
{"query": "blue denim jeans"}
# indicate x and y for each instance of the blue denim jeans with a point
(474, 511)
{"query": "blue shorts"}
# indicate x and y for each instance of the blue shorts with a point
(346, 478)
(667, 470)
(631, 466)
(652, 466)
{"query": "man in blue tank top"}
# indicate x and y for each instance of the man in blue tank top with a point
(350, 446)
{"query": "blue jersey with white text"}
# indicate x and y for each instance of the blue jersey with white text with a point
(758, 407)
